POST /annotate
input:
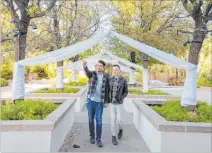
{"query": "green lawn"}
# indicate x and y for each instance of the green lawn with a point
(172, 111)
(134, 85)
(53, 90)
(76, 83)
(27, 110)
(151, 92)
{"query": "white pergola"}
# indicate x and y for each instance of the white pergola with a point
(189, 95)
(108, 57)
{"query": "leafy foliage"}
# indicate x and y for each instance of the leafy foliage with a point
(54, 90)
(76, 83)
(27, 110)
(172, 111)
(3, 82)
(6, 72)
(150, 92)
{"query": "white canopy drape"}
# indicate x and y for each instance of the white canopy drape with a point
(189, 95)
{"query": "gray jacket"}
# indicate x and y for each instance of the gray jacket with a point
(122, 90)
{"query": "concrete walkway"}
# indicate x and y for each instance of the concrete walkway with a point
(203, 94)
(79, 135)
(6, 92)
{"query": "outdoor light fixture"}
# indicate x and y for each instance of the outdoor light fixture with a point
(16, 33)
(132, 57)
(33, 25)
(186, 42)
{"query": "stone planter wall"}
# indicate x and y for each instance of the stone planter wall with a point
(166, 136)
(39, 135)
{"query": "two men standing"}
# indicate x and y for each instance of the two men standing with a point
(103, 90)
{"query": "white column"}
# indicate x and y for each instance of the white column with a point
(132, 77)
(59, 78)
(18, 89)
(189, 94)
(145, 81)
(74, 76)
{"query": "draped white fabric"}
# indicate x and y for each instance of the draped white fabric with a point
(189, 95)
(189, 91)
(155, 53)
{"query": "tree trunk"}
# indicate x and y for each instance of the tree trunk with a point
(21, 39)
(20, 47)
(176, 73)
(195, 47)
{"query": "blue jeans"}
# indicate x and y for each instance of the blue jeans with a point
(95, 109)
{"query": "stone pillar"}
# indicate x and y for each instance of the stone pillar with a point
(132, 77)
(74, 76)
(145, 81)
(59, 79)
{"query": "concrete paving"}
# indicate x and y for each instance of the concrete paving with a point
(6, 92)
(79, 135)
(203, 94)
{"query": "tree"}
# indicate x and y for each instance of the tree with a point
(152, 22)
(200, 16)
(22, 13)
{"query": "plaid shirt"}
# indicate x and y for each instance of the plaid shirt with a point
(114, 90)
(92, 75)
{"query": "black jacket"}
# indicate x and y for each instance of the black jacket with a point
(122, 90)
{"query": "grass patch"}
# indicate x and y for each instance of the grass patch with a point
(3, 82)
(27, 110)
(172, 111)
(135, 85)
(53, 90)
(76, 83)
(204, 82)
(151, 92)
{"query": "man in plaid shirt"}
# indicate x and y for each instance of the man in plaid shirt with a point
(98, 97)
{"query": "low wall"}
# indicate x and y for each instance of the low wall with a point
(81, 97)
(161, 135)
(39, 135)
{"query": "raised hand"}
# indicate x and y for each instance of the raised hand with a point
(84, 63)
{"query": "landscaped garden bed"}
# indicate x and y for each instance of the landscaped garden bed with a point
(169, 127)
(36, 125)
(27, 110)
(150, 92)
(172, 111)
(75, 84)
(54, 90)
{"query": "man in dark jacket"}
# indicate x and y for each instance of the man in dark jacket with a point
(98, 97)
(118, 91)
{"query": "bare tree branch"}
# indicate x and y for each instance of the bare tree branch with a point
(13, 11)
(36, 15)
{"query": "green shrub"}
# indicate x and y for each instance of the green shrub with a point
(3, 82)
(82, 79)
(76, 83)
(134, 85)
(172, 111)
(27, 110)
(54, 90)
(6, 72)
(151, 92)
(204, 82)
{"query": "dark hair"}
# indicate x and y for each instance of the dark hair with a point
(102, 62)
(116, 65)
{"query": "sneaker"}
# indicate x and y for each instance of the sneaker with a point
(99, 143)
(114, 141)
(92, 140)
(120, 133)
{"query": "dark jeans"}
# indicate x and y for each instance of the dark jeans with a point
(95, 109)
